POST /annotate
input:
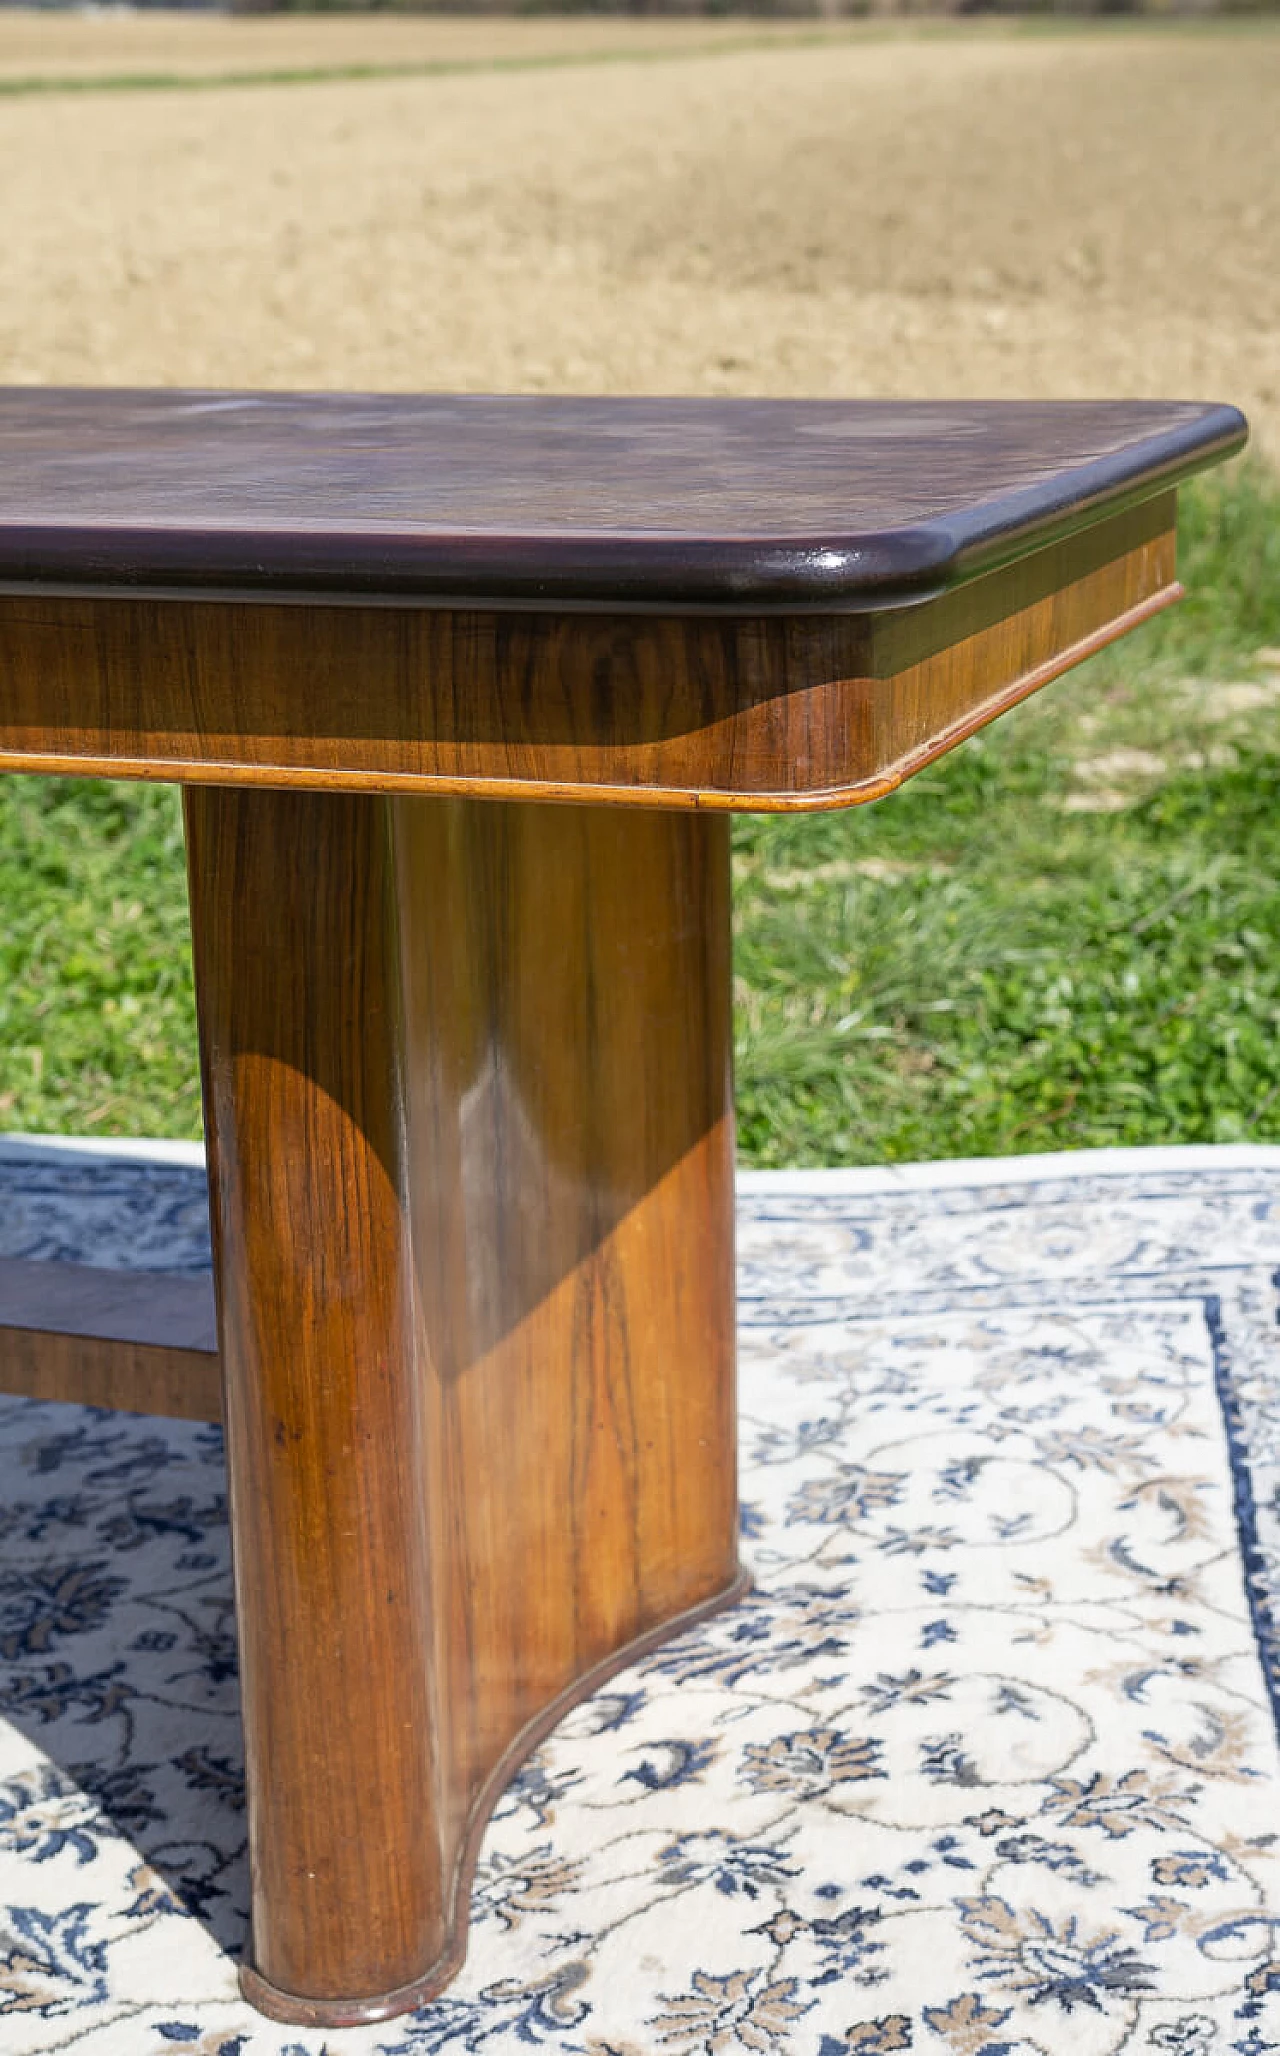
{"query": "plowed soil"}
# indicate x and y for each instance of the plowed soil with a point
(951, 213)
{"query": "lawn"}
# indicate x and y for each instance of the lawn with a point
(1065, 934)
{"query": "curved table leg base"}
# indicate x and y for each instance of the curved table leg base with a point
(467, 1088)
(295, 2010)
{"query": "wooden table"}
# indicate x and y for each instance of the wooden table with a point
(466, 1047)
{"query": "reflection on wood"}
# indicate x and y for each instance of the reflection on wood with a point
(467, 1088)
(141, 1341)
(466, 1056)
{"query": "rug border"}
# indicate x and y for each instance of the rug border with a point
(19, 1147)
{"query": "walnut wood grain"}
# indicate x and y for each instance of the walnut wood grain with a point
(465, 1054)
(139, 1341)
(467, 1081)
(758, 712)
(564, 503)
(97, 1370)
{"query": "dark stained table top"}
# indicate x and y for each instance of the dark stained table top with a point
(565, 503)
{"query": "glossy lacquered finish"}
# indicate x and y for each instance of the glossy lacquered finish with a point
(466, 1054)
(565, 503)
(471, 1137)
(761, 712)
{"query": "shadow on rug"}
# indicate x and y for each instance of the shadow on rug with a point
(985, 1766)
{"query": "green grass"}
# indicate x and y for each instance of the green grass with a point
(23, 86)
(974, 965)
(97, 1020)
(856, 31)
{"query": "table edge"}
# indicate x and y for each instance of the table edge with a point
(671, 574)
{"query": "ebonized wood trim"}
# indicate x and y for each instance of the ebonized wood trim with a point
(561, 504)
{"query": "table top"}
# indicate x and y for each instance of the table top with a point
(564, 503)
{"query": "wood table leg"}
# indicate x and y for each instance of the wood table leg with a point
(466, 1071)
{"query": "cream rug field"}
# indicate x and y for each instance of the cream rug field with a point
(985, 1766)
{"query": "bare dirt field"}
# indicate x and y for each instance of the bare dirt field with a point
(954, 213)
(118, 42)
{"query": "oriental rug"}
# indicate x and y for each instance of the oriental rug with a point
(986, 1765)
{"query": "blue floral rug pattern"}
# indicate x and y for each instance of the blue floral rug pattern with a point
(985, 1766)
